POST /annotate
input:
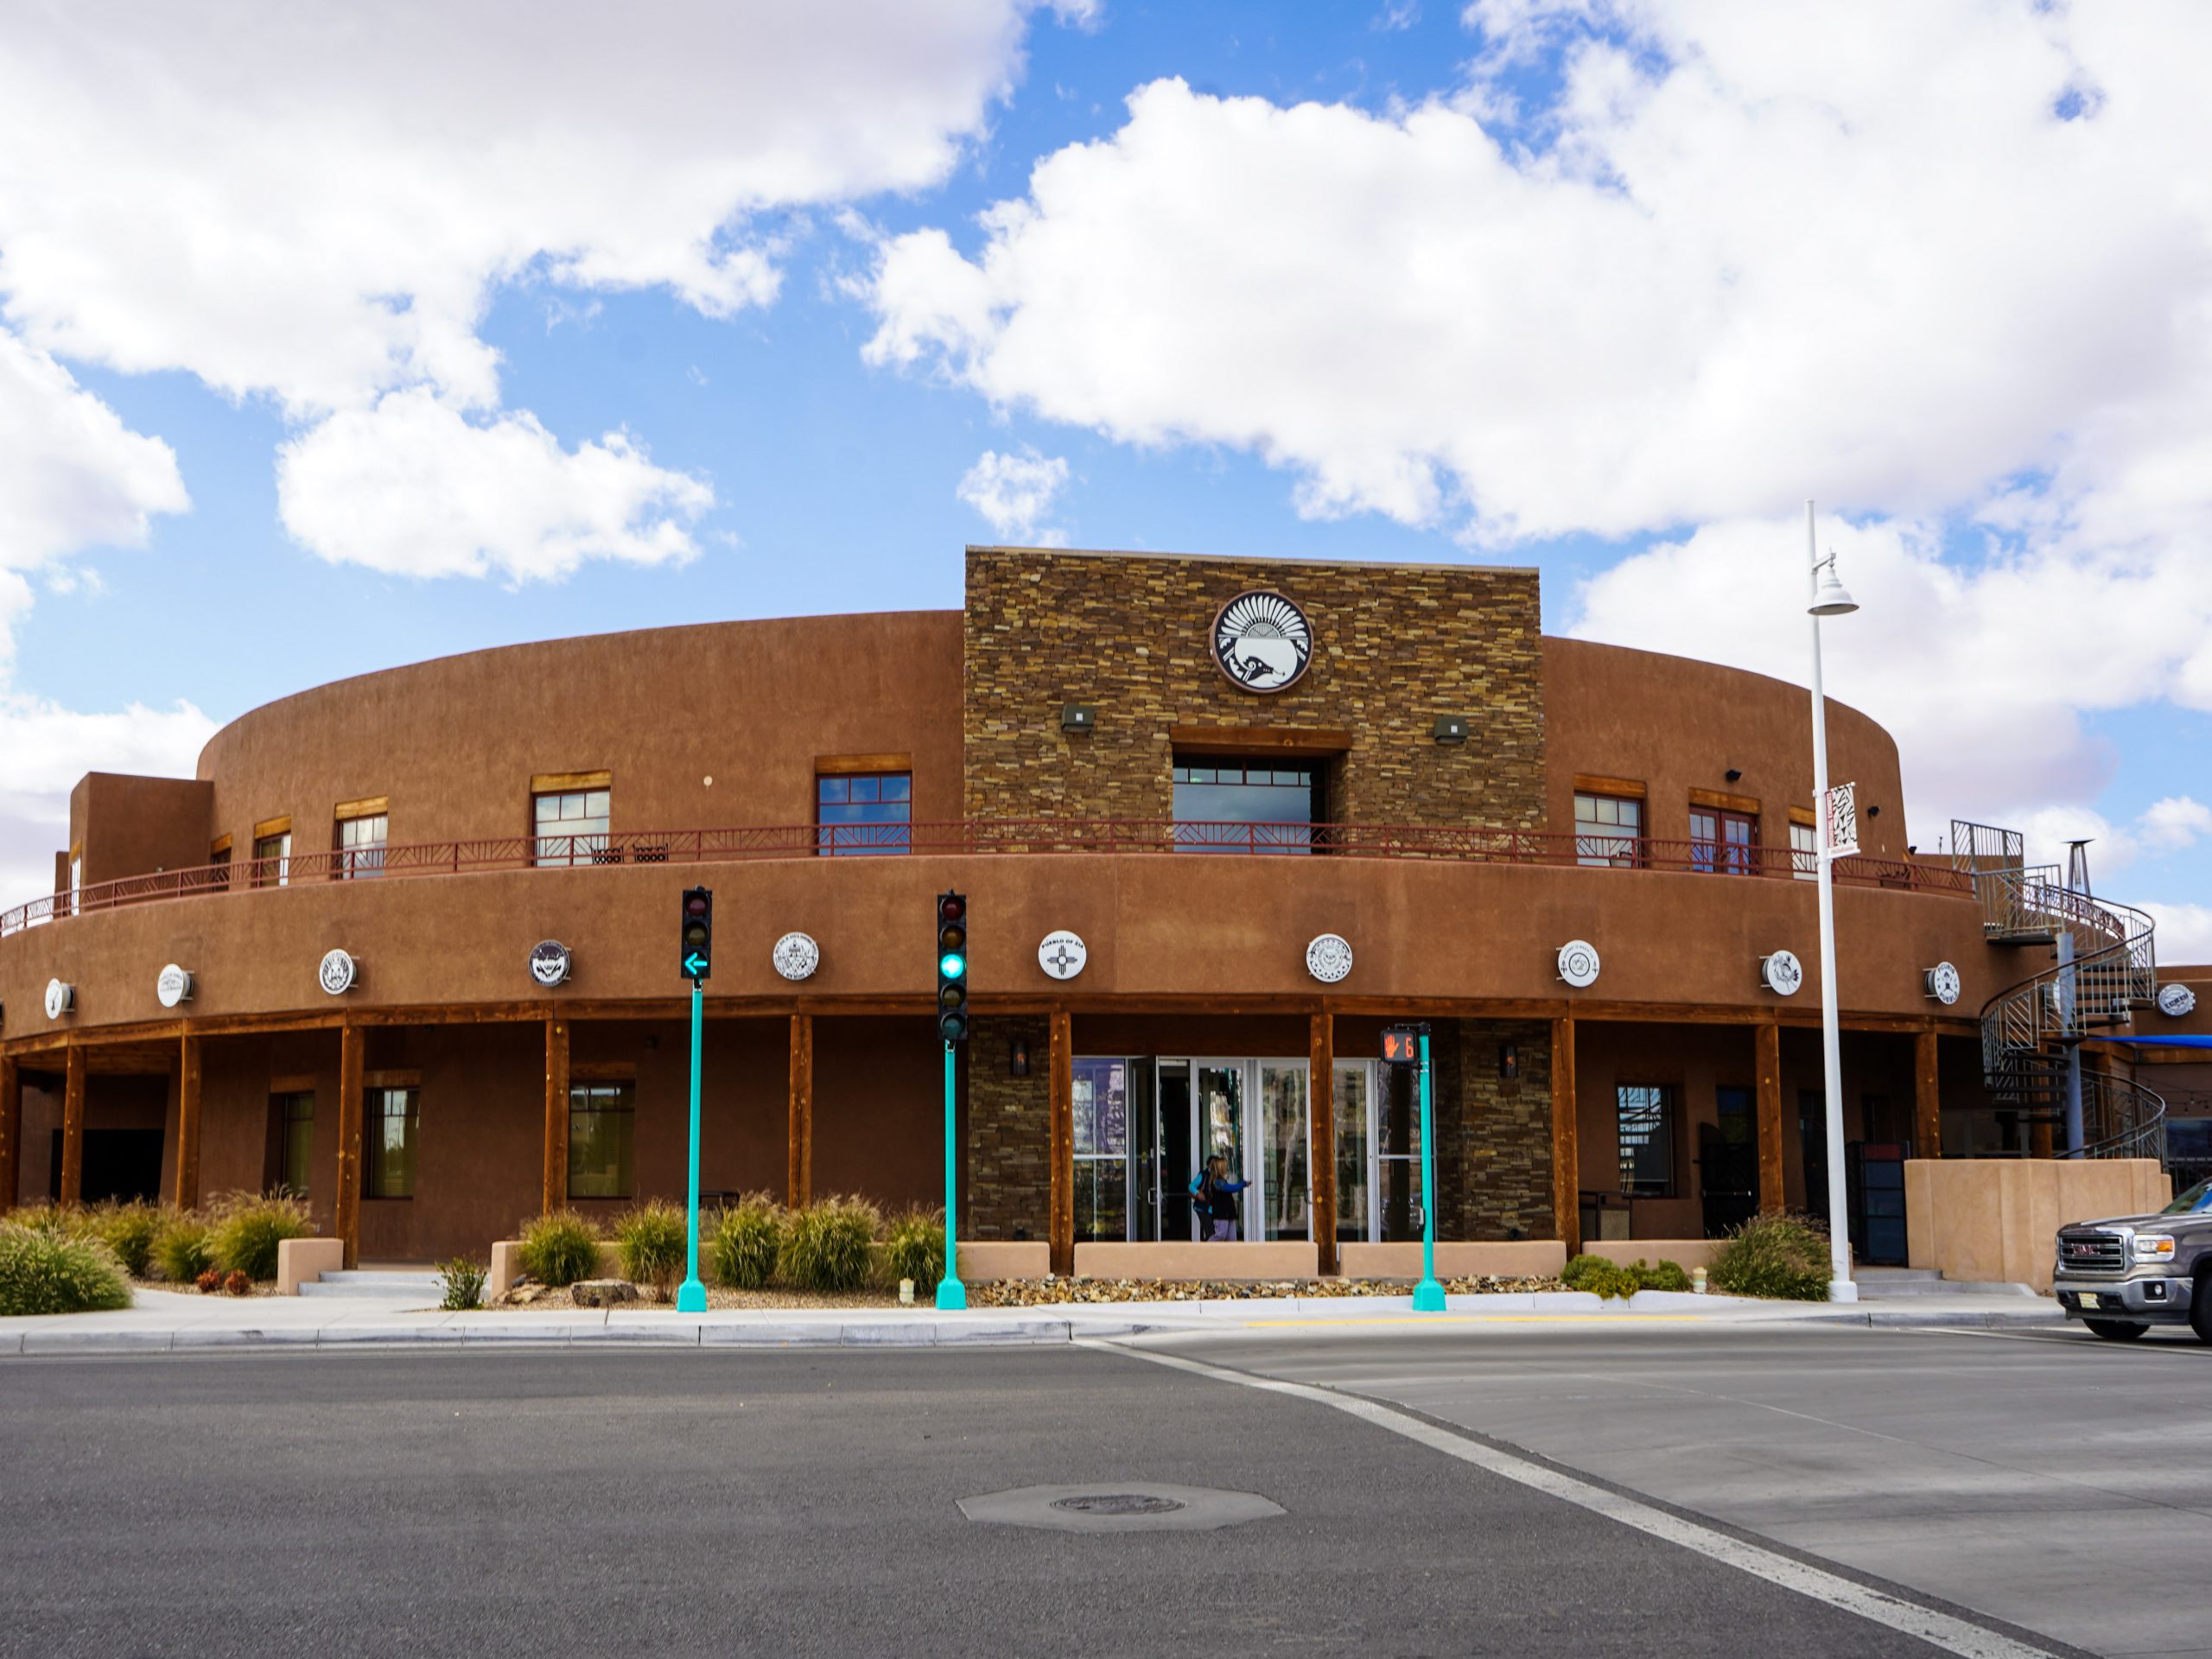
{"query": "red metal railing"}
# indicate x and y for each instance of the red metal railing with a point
(984, 836)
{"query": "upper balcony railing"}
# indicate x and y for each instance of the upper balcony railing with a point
(985, 835)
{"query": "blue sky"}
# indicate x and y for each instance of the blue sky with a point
(1525, 296)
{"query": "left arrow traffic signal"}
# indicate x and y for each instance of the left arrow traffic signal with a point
(696, 944)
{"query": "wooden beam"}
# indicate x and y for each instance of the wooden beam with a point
(186, 1192)
(11, 1131)
(1321, 1077)
(555, 1175)
(1927, 1098)
(1766, 1061)
(799, 1186)
(1566, 1139)
(345, 1211)
(73, 1127)
(1063, 1142)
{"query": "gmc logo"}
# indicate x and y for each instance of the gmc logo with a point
(2079, 1249)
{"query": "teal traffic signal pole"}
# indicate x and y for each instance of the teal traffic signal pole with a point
(1429, 1295)
(950, 1293)
(692, 1298)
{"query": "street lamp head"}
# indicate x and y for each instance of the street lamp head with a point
(1831, 598)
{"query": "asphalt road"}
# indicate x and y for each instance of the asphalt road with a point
(639, 1502)
(2052, 1480)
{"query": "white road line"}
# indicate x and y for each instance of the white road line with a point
(1937, 1629)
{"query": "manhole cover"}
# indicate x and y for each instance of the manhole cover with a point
(1122, 1507)
(1120, 1503)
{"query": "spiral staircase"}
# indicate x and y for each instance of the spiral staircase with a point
(2030, 1031)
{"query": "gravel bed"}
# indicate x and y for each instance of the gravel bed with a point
(1045, 1292)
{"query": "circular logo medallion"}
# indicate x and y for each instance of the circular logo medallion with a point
(175, 986)
(59, 999)
(1782, 973)
(796, 955)
(1328, 958)
(2175, 1000)
(1261, 640)
(337, 973)
(550, 963)
(1578, 963)
(1943, 983)
(1063, 955)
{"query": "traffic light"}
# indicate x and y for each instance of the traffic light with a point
(696, 946)
(952, 967)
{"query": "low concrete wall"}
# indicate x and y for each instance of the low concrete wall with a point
(304, 1261)
(1000, 1259)
(1995, 1218)
(1530, 1258)
(1186, 1259)
(1691, 1253)
(506, 1266)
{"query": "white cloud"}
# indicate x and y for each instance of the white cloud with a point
(2176, 823)
(1015, 492)
(2183, 936)
(413, 487)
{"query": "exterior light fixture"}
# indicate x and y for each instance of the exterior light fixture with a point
(1509, 1061)
(1734, 774)
(1017, 1059)
(1449, 728)
(1078, 717)
(1830, 598)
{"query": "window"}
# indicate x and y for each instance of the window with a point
(571, 826)
(273, 857)
(1646, 1121)
(1102, 1148)
(863, 812)
(1228, 805)
(388, 1138)
(360, 846)
(1804, 852)
(76, 878)
(1724, 841)
(1608, 829)
(295, 1115)
(602, 1118)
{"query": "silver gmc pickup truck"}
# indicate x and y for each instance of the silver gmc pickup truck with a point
(2122, 1276)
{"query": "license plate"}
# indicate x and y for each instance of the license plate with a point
(2088, 1299)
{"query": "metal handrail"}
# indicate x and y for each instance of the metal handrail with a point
(981, 835)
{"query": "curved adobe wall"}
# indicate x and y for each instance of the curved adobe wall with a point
(455, 742)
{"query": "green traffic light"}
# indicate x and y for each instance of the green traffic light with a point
(952, 966)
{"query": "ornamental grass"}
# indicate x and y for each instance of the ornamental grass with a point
(747, 1241)
(560, 1249)
(1780, 1256)
(653, 1242)
(246, 1229)
(829, 1246)
(913, 1247)
(53, 1270)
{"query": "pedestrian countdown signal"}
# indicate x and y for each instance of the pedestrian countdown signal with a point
(1401, 1045)
(952, 967)
(696, 941)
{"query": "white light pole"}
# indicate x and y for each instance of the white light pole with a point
(1829, 599)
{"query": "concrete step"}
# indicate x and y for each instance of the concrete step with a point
(374, 1282)
(1873, 1288)
(1898, 1276)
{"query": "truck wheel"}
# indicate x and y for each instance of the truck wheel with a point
(2116, 1330)
(2200, 1307)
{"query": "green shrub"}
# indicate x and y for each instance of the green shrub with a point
(560, 1249)
(653, 1242)
(49, 1271)
(1611, 1279)
(181, 1250)
(747, 1241)
(1602, 1278)
(829, 1245)
(463, 1283)
(1783, 1257)
(1574, 1275)
(1662, 1275)
(130, 1229)
(913, 1247)
(247, 1229)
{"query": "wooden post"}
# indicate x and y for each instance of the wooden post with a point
(800, 1184)
(11, 1131)
(186, 1193)
(1567, 1140)
(556, 1172)
(1928, 1113)
(346, 1212)
(72, 1126)
(1766, 1048)
(2041, 1142)
(1063, 1138)
(1321, 1154)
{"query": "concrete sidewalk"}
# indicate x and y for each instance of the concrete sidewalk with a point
(165, 1322)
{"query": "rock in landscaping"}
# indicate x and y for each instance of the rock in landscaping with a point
(602, 1292)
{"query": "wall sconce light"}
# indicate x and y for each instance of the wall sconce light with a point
(1449, 728)
(1017, 1058)
(1734, 774)
(1078, 717)
(1509, 1061)
(1874, 811)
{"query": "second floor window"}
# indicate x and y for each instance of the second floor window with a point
(361, 845)
(1724, 841)
(1804, 852)
(571, 825)
(1608, 829)
(863, 812)
(272, 857)
(1267, 804)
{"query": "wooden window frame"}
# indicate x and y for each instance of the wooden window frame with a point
(1671, 1100)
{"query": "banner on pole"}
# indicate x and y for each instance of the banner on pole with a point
(1841, 838)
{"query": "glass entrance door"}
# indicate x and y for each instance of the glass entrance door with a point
(1253, 1114)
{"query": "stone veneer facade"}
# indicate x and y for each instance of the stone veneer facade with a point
(1493, 1134)
(1393, 647)
(1009, 1173)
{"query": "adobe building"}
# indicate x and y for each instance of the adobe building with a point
(408, 943)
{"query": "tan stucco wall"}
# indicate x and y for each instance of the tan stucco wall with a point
(1995, 1218)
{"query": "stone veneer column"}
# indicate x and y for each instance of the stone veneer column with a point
(1009, 1142)
(1495, 1152)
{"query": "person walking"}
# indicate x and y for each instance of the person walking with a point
(1217, 1199)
